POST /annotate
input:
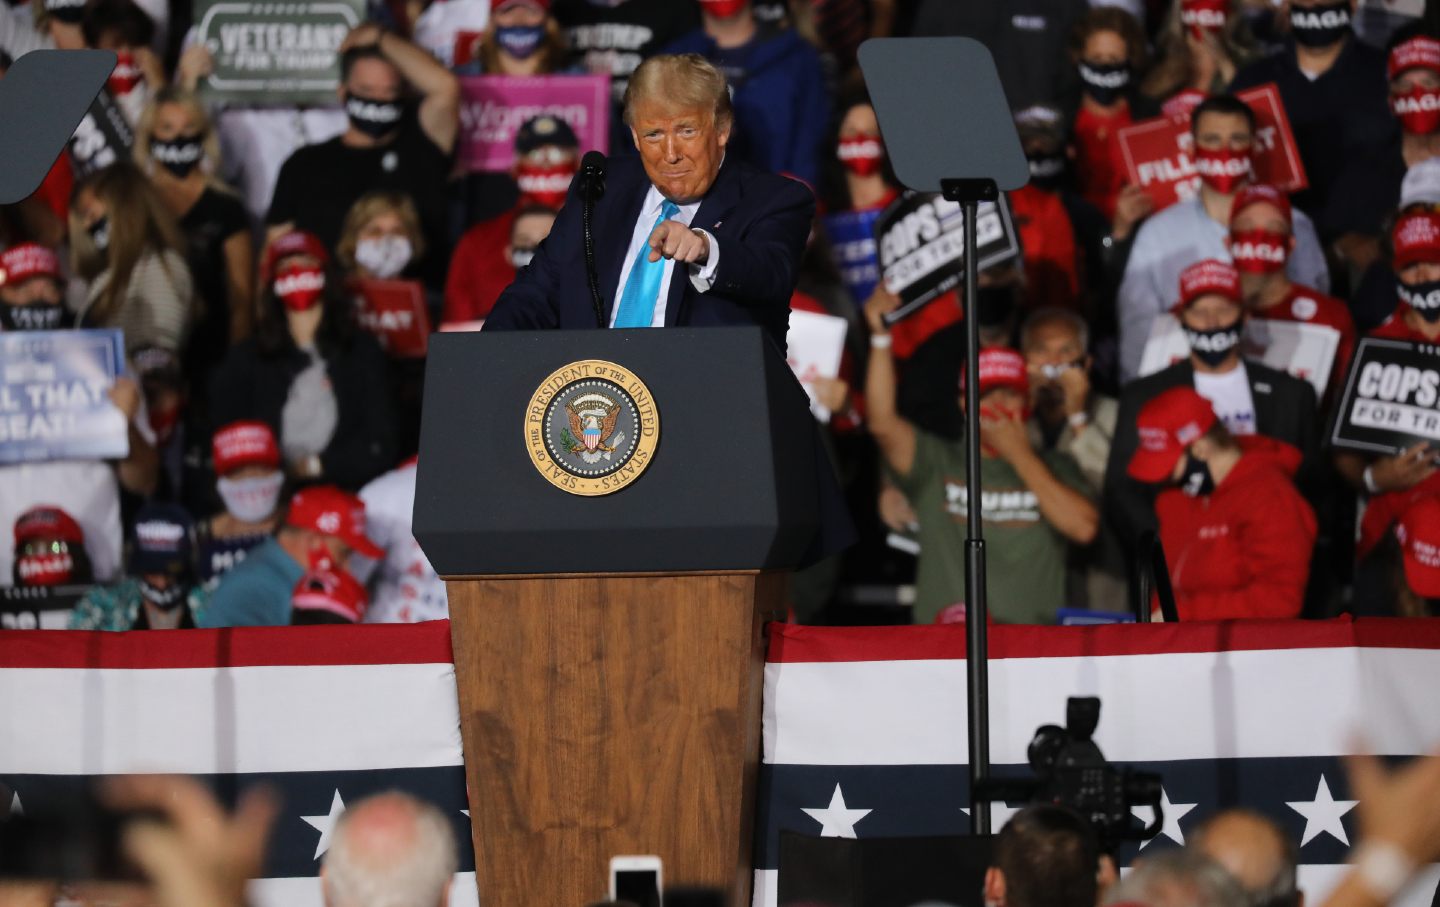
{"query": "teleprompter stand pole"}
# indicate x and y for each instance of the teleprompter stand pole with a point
(969, 193)
(963, 144)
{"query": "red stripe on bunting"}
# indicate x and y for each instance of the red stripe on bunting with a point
(791, 643)
(367, 644)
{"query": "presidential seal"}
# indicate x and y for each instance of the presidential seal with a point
(591, 428)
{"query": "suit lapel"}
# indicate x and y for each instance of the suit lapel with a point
(612, 239)
(722, 197)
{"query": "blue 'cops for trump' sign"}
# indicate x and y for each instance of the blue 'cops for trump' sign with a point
(54, 401)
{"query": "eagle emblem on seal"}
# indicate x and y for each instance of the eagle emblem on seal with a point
(592, 433)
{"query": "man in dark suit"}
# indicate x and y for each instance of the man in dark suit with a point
(1249, 397)
(683, 235)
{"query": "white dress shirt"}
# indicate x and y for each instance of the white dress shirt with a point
(701, 277)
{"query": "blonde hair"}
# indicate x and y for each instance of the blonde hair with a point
(370, 206)
(209, 142)
(680, 82)
(139, 225)
(1174, 64)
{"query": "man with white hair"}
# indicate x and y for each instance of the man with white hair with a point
(390, 850)
(1177, 878)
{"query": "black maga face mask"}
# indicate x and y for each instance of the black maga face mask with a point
(1213, 346)
(1196, 480)
(33, 316)
(1423, 297)
(1047, 170)
(1105, 82)
(179, 155)
(167, 599)
(372, 117)
(1320, 25)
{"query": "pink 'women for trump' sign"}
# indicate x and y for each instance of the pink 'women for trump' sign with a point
(493, 108)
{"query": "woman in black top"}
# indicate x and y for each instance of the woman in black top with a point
(308, 372)
(177, 148)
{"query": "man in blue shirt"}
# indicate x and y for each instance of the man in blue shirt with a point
(323, 522)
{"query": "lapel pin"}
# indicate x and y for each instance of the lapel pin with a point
(717, 225)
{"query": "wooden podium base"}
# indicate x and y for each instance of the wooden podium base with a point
(607, 715)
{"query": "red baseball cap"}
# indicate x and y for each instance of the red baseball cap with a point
(1419, 534)
(1167, 425)
(1206, 277)
(247, 443)
(331, 590)
(330, 511)
(1420, 52)
(26, 260)
(296, 242)
(1000, 367)
(1255, 193)
(1416, 238)
(47, 522)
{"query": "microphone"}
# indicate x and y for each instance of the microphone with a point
(592, 189)
(592, 175)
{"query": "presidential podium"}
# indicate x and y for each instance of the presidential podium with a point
(613, 513)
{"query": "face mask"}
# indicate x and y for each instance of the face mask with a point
(385, 257)
(1423, 297)
(1196, 480)
(253, 498)
(300, 287)
(167, 599)
(53, 569)
(1104, 81)
(520, 41)
(545, 185)
(1418, 109)
(179, 156)
(125, 76)
(1213, 347)
(1259, 251)
(862, 155)
(1320, 25)
(722, 9)
(34, 316)
(1202, 17)
(1053, 372)
(1047, 170)
(100, 234)
(521, 258)
(1223, 169)
(374, 118)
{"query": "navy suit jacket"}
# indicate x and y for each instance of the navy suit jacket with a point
(760, 222)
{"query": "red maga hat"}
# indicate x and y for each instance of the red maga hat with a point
(296, 242)
(47, 522)
(1257, 193)
(1167, 425)
(1206, 277)
(1000, 366)
(1420, 52)
(1419, 534)
(1416, 238)
(247, 443)
(27, 260)
(330, 511)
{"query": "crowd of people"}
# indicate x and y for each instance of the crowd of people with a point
(272, 433)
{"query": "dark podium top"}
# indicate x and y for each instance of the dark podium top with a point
(738, 479)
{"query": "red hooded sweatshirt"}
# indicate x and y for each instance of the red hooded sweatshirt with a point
(1241, 551)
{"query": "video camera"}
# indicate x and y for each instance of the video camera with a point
(1071, 771)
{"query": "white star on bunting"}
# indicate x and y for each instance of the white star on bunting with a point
(15, 808)
(1174, 812)
(837, 820)
(1323, 814)
(1000, 814)
(326, 824)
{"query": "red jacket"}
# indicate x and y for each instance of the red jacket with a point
(1242, 551)
(479, 270)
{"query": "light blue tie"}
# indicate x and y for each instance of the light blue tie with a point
(642, 287)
